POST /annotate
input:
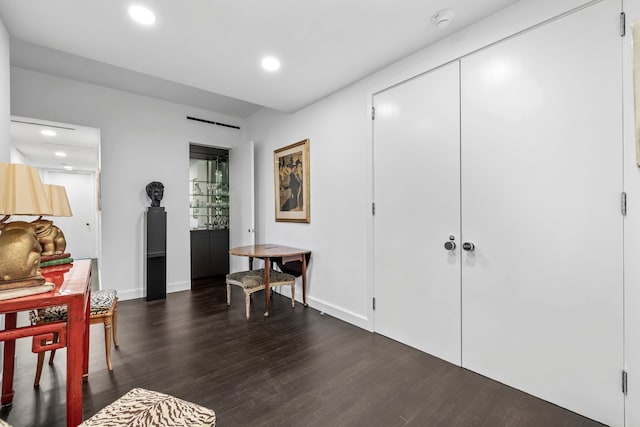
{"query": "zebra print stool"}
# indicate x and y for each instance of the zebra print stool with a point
(142, 408)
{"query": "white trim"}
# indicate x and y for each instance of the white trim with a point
(340, 313)
(178, 287)
(136, 293)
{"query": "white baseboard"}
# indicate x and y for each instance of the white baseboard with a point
(340, 313)
(178, 286)
(124, 295)
(330, 309)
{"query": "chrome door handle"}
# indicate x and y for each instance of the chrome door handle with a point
(468, 246)
(450, 245)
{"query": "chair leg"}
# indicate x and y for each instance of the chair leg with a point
(36, 381)
(108, 336)
(293, 294)
(53, 352)
(247, 303)
(40, 363)
(228, 294)
(114, 323)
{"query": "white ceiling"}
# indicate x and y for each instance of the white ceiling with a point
(208, 52)
(80, 143)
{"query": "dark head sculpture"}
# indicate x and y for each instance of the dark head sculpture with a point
(155, 191)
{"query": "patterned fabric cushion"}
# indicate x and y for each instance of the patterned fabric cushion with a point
(255, 278)
(101, 302)
(141, 408)
(246, 279)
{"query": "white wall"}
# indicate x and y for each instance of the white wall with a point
(16, 156)
(5, 139)
(142, 140)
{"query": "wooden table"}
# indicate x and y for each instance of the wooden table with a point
(74, 292)
(269, 251)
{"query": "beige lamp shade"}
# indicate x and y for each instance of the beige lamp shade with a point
(21, 191)
(58, 200)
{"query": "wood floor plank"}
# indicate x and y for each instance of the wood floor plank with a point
(294, 368)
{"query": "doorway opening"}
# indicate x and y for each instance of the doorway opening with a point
(67, 155)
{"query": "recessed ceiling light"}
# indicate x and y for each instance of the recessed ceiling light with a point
(142, 15)
(48, 132)
(443, 18)
(61, 154)
(270, 63)
(68, 168)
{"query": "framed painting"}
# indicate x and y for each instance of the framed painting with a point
(292, 190)
(635, 29)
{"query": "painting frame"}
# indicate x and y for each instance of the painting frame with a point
(635, 31)
(292, 191)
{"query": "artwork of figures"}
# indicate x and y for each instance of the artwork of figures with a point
(291, 172)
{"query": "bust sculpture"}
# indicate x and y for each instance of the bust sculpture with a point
(155, 191)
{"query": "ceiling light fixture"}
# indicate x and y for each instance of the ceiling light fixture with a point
(48, 132)
(142, 15)
(61, 154)
(68, 168)
(270, 63)
(443, 18)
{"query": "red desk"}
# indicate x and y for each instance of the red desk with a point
(74, 292)
(268, 251)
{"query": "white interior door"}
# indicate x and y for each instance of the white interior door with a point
(241, 200)
(417, 208)
(80, 230)
(541, 181)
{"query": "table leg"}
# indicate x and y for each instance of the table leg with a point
(267, 272)
(75, 361)
(85, 346)
(10, 321)
(304, 280)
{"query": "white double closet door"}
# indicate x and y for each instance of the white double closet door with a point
(517, 149)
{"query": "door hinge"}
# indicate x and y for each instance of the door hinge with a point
(623, 203)
(373, 113)
(623, 24)
(625, 386)
(374, 303)
(373, 208)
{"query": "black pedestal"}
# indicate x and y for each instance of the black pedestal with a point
(156, 220)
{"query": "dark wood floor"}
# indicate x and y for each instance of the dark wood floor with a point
(295, 368)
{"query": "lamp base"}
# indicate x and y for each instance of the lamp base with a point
(19, 252)
(26, 282)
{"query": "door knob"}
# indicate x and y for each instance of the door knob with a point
(450, 245)
(468, 246)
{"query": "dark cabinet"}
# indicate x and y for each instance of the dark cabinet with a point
(209, 253)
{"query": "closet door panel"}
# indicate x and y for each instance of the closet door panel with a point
(541, 182)
(417, 199)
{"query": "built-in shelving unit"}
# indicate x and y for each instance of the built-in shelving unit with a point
(209, 211)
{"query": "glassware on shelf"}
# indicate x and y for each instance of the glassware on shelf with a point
(210, 192)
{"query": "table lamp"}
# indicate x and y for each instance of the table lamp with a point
(21, 193)
(50, 236)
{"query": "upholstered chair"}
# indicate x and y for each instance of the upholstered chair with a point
(104, 309)
(253, 280)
